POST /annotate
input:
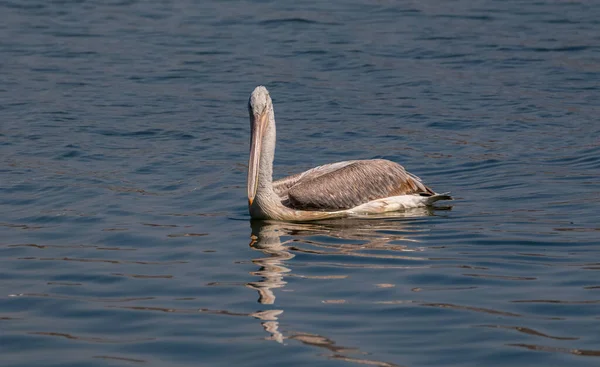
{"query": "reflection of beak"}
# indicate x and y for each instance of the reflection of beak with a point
(258, 128)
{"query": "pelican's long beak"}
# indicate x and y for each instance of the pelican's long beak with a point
(259, 124)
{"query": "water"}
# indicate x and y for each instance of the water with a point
(125, 238)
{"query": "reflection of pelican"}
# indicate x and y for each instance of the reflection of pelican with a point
(265, 238)
(375, 234)
(330, 191)
(378, 238)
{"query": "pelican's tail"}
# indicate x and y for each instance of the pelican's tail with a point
(437, 197)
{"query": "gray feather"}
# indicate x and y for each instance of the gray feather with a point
(345, 185)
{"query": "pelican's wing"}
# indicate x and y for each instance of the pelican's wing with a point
(283, 185)
(352, 184)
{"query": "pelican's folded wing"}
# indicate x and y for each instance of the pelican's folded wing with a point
(283, 185)
(351, 184)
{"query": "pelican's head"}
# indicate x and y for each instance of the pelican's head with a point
(260, 108)
(259, 102)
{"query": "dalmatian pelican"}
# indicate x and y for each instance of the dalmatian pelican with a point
(342, 189)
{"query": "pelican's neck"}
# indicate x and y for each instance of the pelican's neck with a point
(265, 168)
(267, 204)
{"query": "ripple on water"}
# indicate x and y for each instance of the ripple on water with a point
(125, 239)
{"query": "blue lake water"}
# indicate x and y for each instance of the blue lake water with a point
(124, 233)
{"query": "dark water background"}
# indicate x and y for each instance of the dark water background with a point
(124, 233)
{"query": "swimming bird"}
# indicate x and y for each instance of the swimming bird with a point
(335, 190)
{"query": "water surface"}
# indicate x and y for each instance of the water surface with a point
(125, 238)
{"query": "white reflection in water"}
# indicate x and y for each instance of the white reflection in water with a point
(278, 241)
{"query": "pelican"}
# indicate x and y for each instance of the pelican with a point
(336, 190)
